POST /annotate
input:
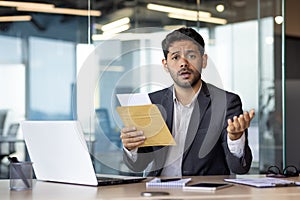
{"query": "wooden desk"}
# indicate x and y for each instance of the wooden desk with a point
(57, 191)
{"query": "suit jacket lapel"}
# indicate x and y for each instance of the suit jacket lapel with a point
(168, 105)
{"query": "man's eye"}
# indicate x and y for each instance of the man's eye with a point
(175, 57)
(192, 56)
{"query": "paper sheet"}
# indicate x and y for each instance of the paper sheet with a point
(135, 99)
(263, 182)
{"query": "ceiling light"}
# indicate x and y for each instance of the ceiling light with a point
(115, 24)
(25, 4)
(179, 11)
(213, 20)
(64, 11)
(278, 19)
(173, 27)
(48, 8)
(269, 40)
(220, 8)
(239, 3)
(15, 18)
(117, 29)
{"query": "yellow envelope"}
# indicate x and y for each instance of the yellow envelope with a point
(148, 119)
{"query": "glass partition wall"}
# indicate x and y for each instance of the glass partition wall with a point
(70, 67)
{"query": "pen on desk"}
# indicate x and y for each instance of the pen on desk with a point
(18, 170)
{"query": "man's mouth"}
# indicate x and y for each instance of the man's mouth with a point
(185, 74)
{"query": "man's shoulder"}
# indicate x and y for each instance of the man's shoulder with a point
(215, 89)
(160, 94)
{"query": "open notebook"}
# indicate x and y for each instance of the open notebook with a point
(59, 153)
(264, 182)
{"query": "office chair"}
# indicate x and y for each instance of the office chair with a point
(105, 126)
(107, 144)
(11, 135)
(3, 114)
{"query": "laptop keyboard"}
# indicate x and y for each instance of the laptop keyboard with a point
(107, 179)
(113, 181)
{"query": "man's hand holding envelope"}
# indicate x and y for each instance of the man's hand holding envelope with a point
(144, 124)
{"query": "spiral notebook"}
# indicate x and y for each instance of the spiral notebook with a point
(157, 182)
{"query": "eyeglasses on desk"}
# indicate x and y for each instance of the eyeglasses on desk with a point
(289, 171)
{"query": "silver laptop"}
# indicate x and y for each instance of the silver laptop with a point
(59, 153)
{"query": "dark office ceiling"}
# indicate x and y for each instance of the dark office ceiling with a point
(235, 10)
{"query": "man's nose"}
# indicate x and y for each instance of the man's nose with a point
(183, 62)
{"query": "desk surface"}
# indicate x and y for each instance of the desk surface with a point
(57, 191)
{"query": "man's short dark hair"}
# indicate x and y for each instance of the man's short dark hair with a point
(183, 34)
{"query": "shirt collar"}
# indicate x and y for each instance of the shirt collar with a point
(193, 100)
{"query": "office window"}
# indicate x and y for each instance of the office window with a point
(52, 76)
(12, 79)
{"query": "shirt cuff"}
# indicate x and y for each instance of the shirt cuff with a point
(236, 147)
(132, 154)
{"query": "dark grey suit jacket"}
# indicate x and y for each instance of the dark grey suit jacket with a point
(206, 151)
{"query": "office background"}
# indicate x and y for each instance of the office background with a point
(59, 64)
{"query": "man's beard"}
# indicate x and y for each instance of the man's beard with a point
(186, 84)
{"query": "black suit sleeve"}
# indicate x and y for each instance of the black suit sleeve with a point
(236, 165)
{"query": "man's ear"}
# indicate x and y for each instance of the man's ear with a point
(204, 61)
(165, 65)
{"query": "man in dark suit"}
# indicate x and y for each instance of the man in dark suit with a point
(207, 123)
